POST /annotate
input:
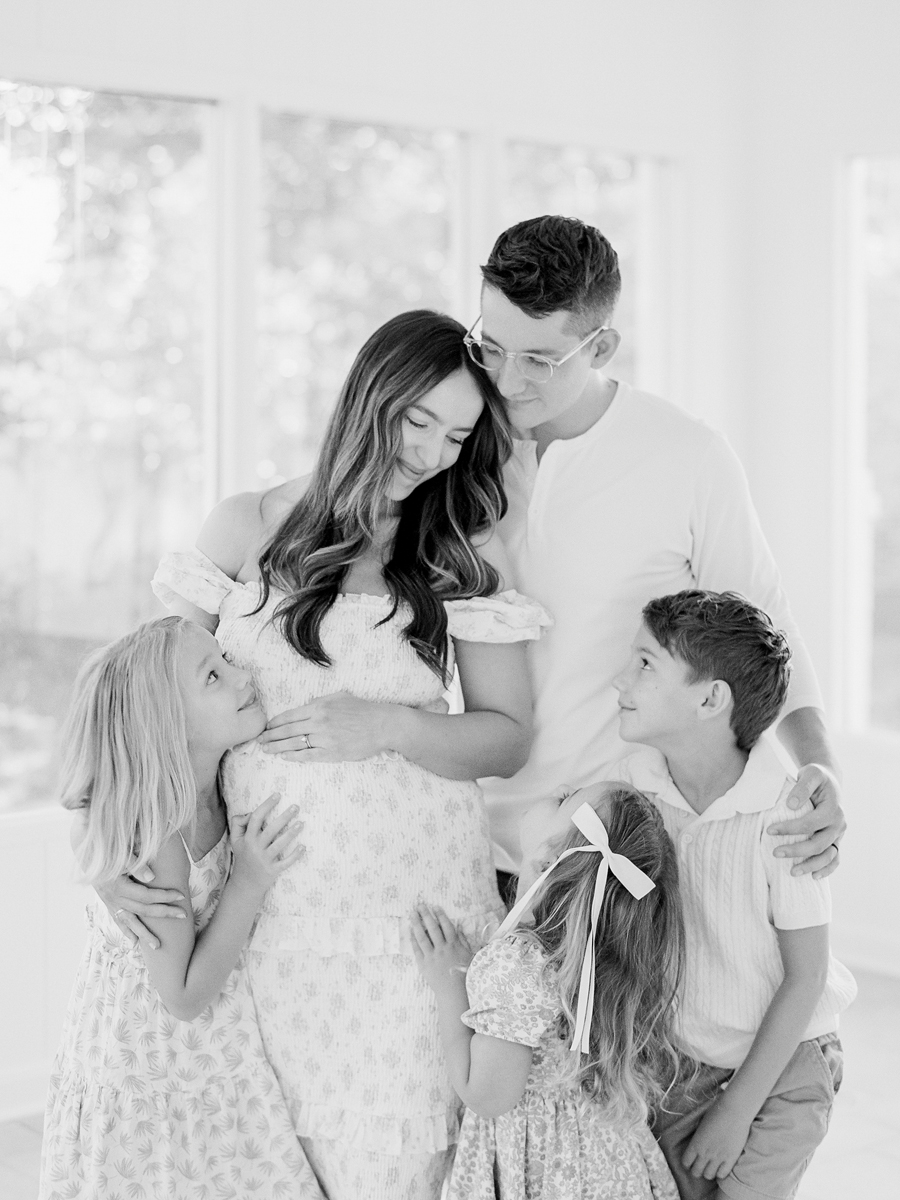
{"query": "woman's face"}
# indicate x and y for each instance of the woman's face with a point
(434, 429)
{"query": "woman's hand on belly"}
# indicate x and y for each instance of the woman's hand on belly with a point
(335, 728)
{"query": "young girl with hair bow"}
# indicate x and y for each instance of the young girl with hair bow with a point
(558, 1033)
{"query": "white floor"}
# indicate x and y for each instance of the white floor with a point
(860, 1156)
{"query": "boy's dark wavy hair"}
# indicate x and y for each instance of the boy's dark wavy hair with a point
(720, 635)
(548, 264)
(336, 519)
(639, 958)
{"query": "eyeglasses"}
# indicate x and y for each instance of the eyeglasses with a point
(536, 367)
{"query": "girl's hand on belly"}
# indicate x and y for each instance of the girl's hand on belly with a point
(335, 728)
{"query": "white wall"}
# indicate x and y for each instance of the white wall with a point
(754, 105)
(42, 935)
(824, 87)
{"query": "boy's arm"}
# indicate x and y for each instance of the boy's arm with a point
(722, 1134)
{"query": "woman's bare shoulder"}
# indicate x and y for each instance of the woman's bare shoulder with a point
(278, 501)
(231, 531)
(238, 528)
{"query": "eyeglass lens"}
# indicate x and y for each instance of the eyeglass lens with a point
(538, 370)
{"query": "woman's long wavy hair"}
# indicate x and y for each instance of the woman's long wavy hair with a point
(639, 956)
(125, 751)
(337, 518)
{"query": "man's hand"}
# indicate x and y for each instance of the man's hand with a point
(128, 901)
(717, 1142)
(822, 828)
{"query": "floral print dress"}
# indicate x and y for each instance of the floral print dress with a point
(553, 1144)
(347, 1020)
(142, 1106)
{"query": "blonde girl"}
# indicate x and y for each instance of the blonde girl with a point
(558, 1037)
(161, 1086)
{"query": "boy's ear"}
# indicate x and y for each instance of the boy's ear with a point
(717, 699)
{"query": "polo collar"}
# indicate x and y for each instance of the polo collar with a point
(757, 790)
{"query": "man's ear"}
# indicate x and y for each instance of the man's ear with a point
(605, 346)
(717, 699)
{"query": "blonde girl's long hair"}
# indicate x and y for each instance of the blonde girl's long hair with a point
(336, 519)
(639, 955)
(125, 751)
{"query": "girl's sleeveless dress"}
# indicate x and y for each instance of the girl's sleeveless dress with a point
(553, 1143)
(348, 1024)
(142, 1105)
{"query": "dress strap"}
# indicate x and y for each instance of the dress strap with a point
(187, 848)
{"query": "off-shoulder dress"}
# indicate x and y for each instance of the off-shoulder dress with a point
(347, 1022)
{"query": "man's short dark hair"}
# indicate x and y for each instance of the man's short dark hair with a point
(720, 635)
(550, 263)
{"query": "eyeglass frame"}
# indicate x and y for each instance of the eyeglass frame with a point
(469, 341)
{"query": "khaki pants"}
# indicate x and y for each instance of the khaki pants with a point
(783, 1136)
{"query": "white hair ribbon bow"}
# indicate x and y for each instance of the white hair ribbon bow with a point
(630, 876)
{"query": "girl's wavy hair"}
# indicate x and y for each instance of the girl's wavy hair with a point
(336, 519)
(125, 751)
(639, 954)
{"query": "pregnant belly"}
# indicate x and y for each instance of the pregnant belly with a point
(378, 836)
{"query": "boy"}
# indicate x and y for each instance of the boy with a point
(759, 1008)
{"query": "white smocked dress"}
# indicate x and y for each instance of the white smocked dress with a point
(347, 1021)
(554, 1145)
(142, 1106)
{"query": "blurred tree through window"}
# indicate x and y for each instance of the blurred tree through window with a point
(105, 236)
(358, 226)
(600, 189)
(109, 410)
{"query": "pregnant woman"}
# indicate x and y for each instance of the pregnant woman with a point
(349, 596)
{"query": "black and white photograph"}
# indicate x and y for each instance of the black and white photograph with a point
(450, 605)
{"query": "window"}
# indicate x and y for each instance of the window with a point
(105, 239)
(359, 225)
(602, 190)
(110, 412)
(877, 197)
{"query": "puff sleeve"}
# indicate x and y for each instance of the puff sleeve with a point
(509, 995)
(191, 576)
(506, 617)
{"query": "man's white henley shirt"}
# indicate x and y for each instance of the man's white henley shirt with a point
(646, 502)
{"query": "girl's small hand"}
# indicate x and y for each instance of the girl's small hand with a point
(441, 951)
(264, 847)
(335, 728)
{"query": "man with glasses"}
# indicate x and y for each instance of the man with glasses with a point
(615, 497)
